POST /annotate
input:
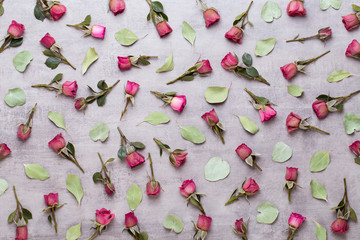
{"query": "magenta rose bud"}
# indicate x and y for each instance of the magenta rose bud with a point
(47, 40)
(250, 186)
(131, 88)
(289, 70)
(320, 109)
(57, 11)
(340, 225)
(124, 63)
(229, 61)
(178, 159)
(296, 220)
(153, 190)
(117, 6)
(268, 114)
(291, 174)
(134, 159)
(211, 118)
(355, 146)
(80, 104)
(187, 188)
(205, 68)
(130, 220)
(23, 132)
(163, 28)
(51, 199)
(70, 88)
(351, 21)
(108, 190)
(243, 151)
(296, 8)
(104, 216)
(4, 150)
(292, 122)
(211, 16)
(325, 33)
(239, 225)
(57, 143)
(235, 34)
(353, 49)
(98, 31)
(16, 29)
(21, 233)
(204, 222)
(178, 103)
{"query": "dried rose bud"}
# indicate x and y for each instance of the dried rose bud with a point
(296, 220)
(289, 70)
(57, 11)
(340, 225)
(320, 109)
(178, 159)
(4, 150)
(235, 34)
(131, 88)
(355, 146)
(243, 151)
(205, 67)
(291, 174)
(250, 187)
(98, 31)
(325, 33)
(240, 226)
(211, 16)
(21, 233)
(104, 216)
(211, 118)
(130, 220)
(51, 199)
(178, 103)
(57, 143)
(16, 29)
(187, 188)
(69, 88)
(204, 222)
(153, 188)
(268, 114)
(163, 28)
(351, 21)
(109, 188)
(292, 122)
(296, 8)
(353, 49)
(80, 104)
(47, 41)
(124, 63)
(134, 159)
(117, 6)
(229, 61)
(23, 132)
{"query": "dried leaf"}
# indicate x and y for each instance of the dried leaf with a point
(73, 184)
(216, 169)
(35, 171)
(90, 57)
(22, 60)
(188, 32)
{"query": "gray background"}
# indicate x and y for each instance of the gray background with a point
(210, 44)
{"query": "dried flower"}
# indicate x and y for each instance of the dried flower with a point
(248, 188)
(57, 11)
(212, 120)
(176, 102)
(320, 109)
(188, 189)
(296, 8)
(262, 104)
(202, 68)
(125, 63)
(353, 50)
(176, 157)
(290, 177)
(245, 153)
(202, 226)
(96, 31)
(70, 88)
(24, 129)
(229, 61)
(340, 225)
(323, 34)
(130, 91)
(67, 88)
(52, 203)
(130, 220)
(52, 10)
(159, 18)
(294, 122)
(128, 151)
(103, 176)
(132, 228)
(14, 37)
(211, 15)
(163, 28)
(103, 219)
(47, 41)
(152, 187)
(237, 30)
(21, 233)
(116, 6)
(295, 221)
(241, 228)
(351, 21)
(4, 150)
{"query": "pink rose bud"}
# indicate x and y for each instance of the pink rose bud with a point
(124, 63)
(47, 40)
(163, 28)
(153, 188)
(16, 29)
(250, 186)
(291, 174)
(296, 8)
(70, 88)
(131, 88)
(204, 222)
(187, 188)
(80, 104)
(355, 146)
(98, 31)
(23, 132)
(104, 216)
(289, 70)
(325, 33)
(51, 199)
(178, 159)
(320, 109)
(211, 118)
(340, 225)
(134, 159)
(4, 150)
(296, 220)
(235, 34)
(57, 11)
(57, 143)
(109, 189)
(178, 103)
(117, 6)
(353, 49)
(205, 68)
(239, 225)
(351, 21)
(211, 16)
(268, 114)
(243, 151)
(292, 122)
(130, 220)
(229, 61)
(21, 233)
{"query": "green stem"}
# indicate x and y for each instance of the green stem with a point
(95, 234)
(53, 216)
(257, 166)
(350, 95)
(31, 115)
(176, 79)
(317, 129)
(125, 109)
(66, 61)
(6, 42)
(219, 134)
(151, 168)
(103, 167)
(251, 95)
(289, 195)
(345, 195)
(73, 159)
(290, 235)
(161, 145)
(302, 39)
(245, 237)
(123, 138)
(308, 61)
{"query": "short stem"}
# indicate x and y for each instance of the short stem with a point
(110, 88)
(95, 234)
(306, 62)
(345, 193)
(219, 134)
(257, 166)
(290, 235)
(351, 94)
(73, 159)
(125, 109)
(18, 204)
(31, 115)
(303, 39)
(67, 62)
(251, 95)
(3, 47)
(247, 10)
(53, 216)
(161, 145)
(103, 166)
(317, 129)
(178, 78)
(289, 195)
(151, 168)
(123, 138)
(245, 237)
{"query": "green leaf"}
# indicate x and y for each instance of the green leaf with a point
(22, 60)
(38, 12)
(102, 85)
(355, 7)
(269, 11)
(216, 169)
(101, 100)
(27, 214)
(138, 145)
(353, 214)
(52, 62)
(157, 118)
(11, 217)
(74, 232)
(86, 21)
(35, 171)
(247, 59)
(168, 65)
(352, 123)
(90, 57)
(337, 76)
(281, 152)
(99, 131)
(157, 6)
(188, 32)
(320, 161)
(318, 191)
(49, 53)
(248, 125)
(192, 134)
(251, 71)
(325, 4)
(126, 37)
(73, 184)
(3, 186)
(50, 219)
(16, 42)
(320, 231)
(173, 223)
(15, 97)
(122, 153)
(1, 10)
(268, 213)
(216, 94)
(97, 177)
(57, 119)
(264, 47)
(57, 78)
(134, 196)
(295, 90)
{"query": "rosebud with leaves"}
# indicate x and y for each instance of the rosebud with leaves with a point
(295, 221)
(103, 219)
(211, 15)
(159, 18)
(294, 122)
(116, 6)
(323, 35)
(153, 187)
(352, 21)
(263, 105)
(58, 144)
(52, 10)
(4, 151)
(188, 189)
(202, 227)
(248, 188)
(125, 63)
(128, 151)
(176, 102)
(52, 202)
(176, 157)
(202, 68)
(14, 37)
(241, 228)
(355, 148)
(237, 30)
(231, 63)
(296, 8)
(67, 88)
(130, 91)
(24, 129)
(212, 120)
(103, 176)
(131, 225)
(291, 69)
(97, 31)
(353, 50)
(246, 154)
(291, 177)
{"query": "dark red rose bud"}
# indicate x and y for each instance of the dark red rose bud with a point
(4, 150)
(291, 174)
(130, 220)
(153, 188)
(320, 109)
(57, 11)
(204, 222)
(355, 147)
(21, 233)
(211, 16)
(109, 188)
(292, 122)
(296, 8)
(23, 132)
(235, 34)
(340, 225)
(351, 21)
(47, 41)
(250, 186)
(163, 28)
(57, 143)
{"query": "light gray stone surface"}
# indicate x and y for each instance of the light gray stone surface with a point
(210, 44)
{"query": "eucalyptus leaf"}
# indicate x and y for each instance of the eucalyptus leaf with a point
(3, 186)
(35, 171)
(126, 37)
(90, 57)
(320, 161)
(192, 134)
(134, 196)
(352, 123)
(168, 65)
(157, 6)
(325, 4)
(188, 32)
(355, 7)
(57, 119)
(22, 60)
(157, 118)
(337, 76)
(320, 231)
(15, 97)
(39, 12)
(318, 191)
(52, 62)
(216, 94)
(99, 131)
(216, 169)
(264, 47)
(268, 213)
(295, 90)
(248, 125)
(74, 232)
(247, 59)
(281, 152)
(251, 71)
(173, 223)
(269, 11)
(73, 184)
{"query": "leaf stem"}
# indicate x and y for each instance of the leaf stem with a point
(317, 129)
(151, 168)
(31, 115)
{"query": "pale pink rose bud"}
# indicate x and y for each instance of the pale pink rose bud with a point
(57, 143)
(291, 174)
(80, 104)
(340, 225)
(57, 11)
(130, 220)
(98, 31)
(163, 28)
(211, 118)
(51, 199)
(250, 186)
(320, 109)
(187, 188)
(16, 29)
(153, 188)
(178, 159)
(289, 70)
(117, 6)
(351, 21)
(211, 16)
(296, 220)
(355, 146)
(325, 33)
(268, 114)
(23, 132)
(109, 188)
(47, 40)
(292, 122)
(131, 88)
(178, 103)
(124, 63)
(353, 49)
(205, 68)
(21, 233)
(134, 159)
(229, 61)
(104, 216)
(243, 151)
(204, 222)
(70, 88)
(235, 34)
(296, 8)
(4, 150)
(239, 225)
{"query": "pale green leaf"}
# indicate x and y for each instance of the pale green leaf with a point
(99, 131)
(73, 184)
(281, 152)
(295, 90)
(3, 186)
(22, 60)
(35, 171)
(325, 4)
(57, 119)
(320, 231)
(157, 118)
(320, 161)
(192, 134)
(267, 213)
(248, 125)
(15, 97)
(74, 232)
(134, 196)
(188, 32)
(352, 123)
(355, 7)
(337, 76)
(168, 65)
(216, 169)
(216, 94)
(1, 10)
(264, 47)
(126, 37)
(90, 57)
(173, 223)
(318, 191)
(269, 11)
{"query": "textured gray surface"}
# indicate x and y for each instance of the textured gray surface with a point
(211, 44)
